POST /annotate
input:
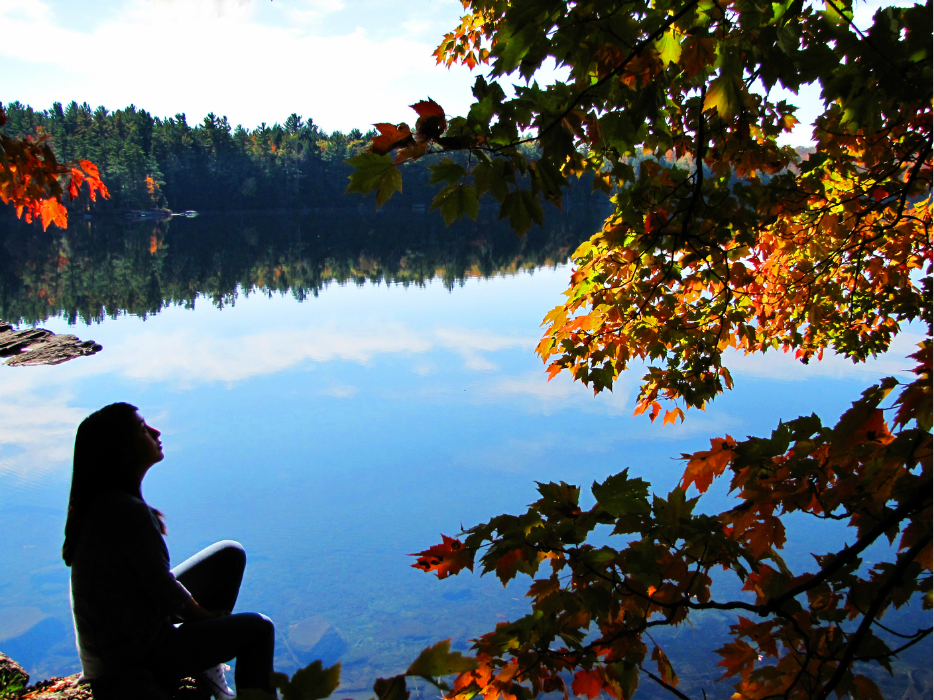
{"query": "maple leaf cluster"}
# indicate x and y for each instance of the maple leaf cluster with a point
(721, 238)
(798, 635)
(31, 179)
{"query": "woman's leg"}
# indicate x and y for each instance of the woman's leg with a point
(196, 646)
(213, 575)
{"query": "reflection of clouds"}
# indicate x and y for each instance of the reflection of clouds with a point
(340, 391)
(37, 431)
(186, 357)
(38, 420)
(779, 365)
(469, 344)
(559, 394)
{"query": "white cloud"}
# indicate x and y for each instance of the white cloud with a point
(231, 58)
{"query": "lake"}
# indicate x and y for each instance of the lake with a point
(336, 388)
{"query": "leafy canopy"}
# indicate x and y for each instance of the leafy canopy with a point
(720, 238)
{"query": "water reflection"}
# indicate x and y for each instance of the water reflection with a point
(335, 436)
(103, 267)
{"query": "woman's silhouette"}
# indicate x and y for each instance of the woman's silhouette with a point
(126, 599)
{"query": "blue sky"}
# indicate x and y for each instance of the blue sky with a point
(343, 63)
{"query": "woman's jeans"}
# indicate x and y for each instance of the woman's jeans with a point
(213, 578)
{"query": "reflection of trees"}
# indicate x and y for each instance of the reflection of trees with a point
(103, 268)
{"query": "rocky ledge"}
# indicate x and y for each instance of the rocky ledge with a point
(14, 685)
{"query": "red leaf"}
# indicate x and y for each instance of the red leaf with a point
(738, 657)
(390, 137)
(90, 169)
(428, 108)
(665, 669)
(445, 559)
(588, 683)
(431, 122)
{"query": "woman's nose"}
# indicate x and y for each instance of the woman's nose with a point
(155, 433)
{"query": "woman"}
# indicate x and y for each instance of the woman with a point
(125, 598)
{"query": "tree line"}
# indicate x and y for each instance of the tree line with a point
(148, 162)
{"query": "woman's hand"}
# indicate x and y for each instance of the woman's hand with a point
(193, 612)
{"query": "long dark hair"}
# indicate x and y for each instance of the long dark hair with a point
(105, 461)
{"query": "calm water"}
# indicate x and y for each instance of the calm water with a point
(334, 425)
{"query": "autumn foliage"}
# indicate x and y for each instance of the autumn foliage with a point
(722, 240)
(33, 181)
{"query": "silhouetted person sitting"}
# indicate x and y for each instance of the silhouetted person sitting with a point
(125, 598)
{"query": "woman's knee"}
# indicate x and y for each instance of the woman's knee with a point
(263, 625)
(233, 552)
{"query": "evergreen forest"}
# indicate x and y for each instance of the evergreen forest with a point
(151, 163)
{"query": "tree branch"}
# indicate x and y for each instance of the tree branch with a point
(904, 561)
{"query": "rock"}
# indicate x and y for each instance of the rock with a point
(70, 689)
(315, 638)
(12, 675)
(38, 346)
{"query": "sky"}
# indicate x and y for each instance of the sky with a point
(343, 63)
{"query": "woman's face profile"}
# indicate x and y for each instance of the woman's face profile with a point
(149, 447)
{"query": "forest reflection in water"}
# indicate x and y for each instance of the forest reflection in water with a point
(334, 437)
(100, 268)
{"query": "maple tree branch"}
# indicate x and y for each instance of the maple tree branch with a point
(664, 685)
(848, 554)
(904, 561)
(921, 634)
(893, 632)
(802, 667)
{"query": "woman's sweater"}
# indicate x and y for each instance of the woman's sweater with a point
(124, 595)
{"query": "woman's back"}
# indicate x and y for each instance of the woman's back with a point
(124, 593)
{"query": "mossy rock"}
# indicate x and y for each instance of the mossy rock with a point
(13, 677)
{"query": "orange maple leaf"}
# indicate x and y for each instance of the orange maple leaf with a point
(705, 465)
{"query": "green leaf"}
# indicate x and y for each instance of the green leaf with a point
(725, 93)
(669, 47)
(374, 172)
(455, 201)
(439, 660)
(446, 171)
(522, 208)
(310, 683)
(620, 495)
(491, 177)
(626, 674)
